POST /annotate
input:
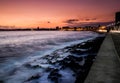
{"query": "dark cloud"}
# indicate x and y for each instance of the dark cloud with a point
(48, 22)
(82, 24)
(72, 21)
(94, 23)
(100, 23)
(94, 18)
(90, 19)
(87, 19)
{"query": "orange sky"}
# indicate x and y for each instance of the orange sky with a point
(52, 13)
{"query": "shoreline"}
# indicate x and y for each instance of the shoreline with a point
(69, 64)
(78, 60)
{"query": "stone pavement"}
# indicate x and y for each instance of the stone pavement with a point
(116, 40)
(106, 68)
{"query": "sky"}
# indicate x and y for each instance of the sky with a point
(52, 13)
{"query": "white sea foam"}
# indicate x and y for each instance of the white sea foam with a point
(18, 48)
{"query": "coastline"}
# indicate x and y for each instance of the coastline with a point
(76, 59)
(67, 64)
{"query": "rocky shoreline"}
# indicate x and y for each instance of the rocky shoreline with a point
(70, 64)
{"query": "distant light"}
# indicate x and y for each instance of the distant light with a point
(115, 31)
(102, 27)
(102, 30)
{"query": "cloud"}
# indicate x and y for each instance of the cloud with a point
(94, 23)
(89, 19)
(85, 22)
(94, 18)
(71, 21)
(48, 22)
(82, 24)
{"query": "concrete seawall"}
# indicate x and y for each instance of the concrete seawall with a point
(106, 68)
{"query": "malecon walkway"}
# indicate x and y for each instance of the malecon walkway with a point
(106, 68)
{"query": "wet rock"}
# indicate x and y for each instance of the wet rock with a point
(80, 77)
(54, 75)
(89, 57)
(1, 81)
(71, 61)
(77, 51)
(28, 65)
(86, 45)
(49, 69)
(35, 77)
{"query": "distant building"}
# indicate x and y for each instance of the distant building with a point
(117, 17)
(38, 28)
(66, 28)
(57, 28)
(117, 20)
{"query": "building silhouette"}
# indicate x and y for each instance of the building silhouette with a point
(117, 20)
(117, 17)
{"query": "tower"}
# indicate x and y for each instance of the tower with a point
(117, 18)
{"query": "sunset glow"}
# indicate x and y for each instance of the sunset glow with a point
(52, 13)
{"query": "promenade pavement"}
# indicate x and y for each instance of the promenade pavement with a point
(106, 68)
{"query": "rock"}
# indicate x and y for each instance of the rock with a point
(71, 62)
(81, 77)
(1, 81)
(37, 76)
(49, 69)
(87, 45)
(32, 66)
(54, 75)
(76, 51)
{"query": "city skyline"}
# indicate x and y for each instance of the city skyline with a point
(52, 13)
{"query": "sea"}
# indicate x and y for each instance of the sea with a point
(20, 47)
